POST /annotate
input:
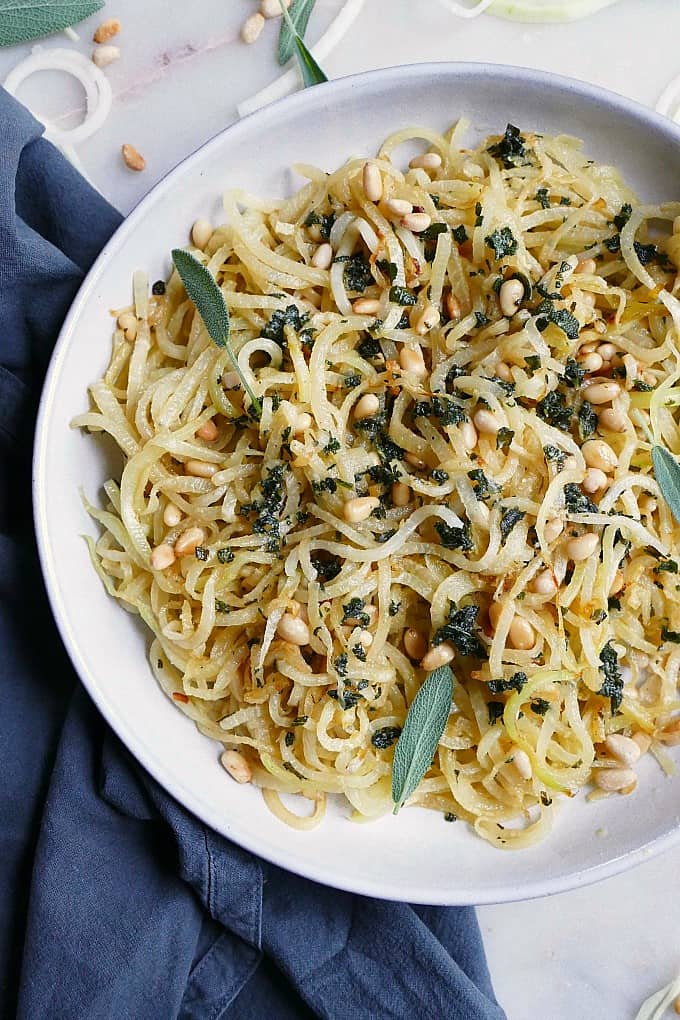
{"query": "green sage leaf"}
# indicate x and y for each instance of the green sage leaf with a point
(667, 471)
(206, 295)
(300, 13)
(310, 70)
(425, 723)
(22, 20)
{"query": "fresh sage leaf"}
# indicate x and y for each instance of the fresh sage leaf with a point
(425, 723)
(310, 70)
(300, 13)
(204, 292)
(22, 20)
(667, 471)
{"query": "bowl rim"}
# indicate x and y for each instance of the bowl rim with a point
(309, 99)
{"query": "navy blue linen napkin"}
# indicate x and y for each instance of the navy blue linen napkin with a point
(114, 901)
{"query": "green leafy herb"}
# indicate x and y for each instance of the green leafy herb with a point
(641, 386)
(282, 317)
(358, 274)
(670, 635)
(482, 486)
(554, 410)
(502, 241)
(402, 295)
(504, 438)
(425, 722)
(394, 607)
(353, 610)
(448, 412)
(533, 362)
(576, 502)
(542, 198)
(290, 41)
(454, 538)
(496, 709)
(666, 566)
(432, 232)
(623, 216)
(561, 317)
(667, 473)
(612, 687)
(573, 373)
(554, 455)
(509, 519)
(225, 555)
(539, 706)
(206, 295)
(389, 269)
(460, 631)
(21, 20)
(510, 148)
(201, 553)
(515, 683)
(385, 737)
(587, 420)
(459, 234)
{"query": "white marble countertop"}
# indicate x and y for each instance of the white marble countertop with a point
(596, 952)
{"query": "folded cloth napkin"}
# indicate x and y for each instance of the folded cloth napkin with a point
(114, 901)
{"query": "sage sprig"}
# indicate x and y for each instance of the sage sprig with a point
(204, 292)
(310, 70)
(667, 472)
(425, 723)
(299, 15)
(22, 20)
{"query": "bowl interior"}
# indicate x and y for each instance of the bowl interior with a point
(416, 856)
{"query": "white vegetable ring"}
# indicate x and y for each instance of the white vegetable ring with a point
(669, 101)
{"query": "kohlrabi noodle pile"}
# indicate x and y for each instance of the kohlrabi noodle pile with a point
(462, 366)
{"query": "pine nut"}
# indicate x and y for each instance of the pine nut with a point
(365, 638)
(643, 741)
(602, 393)
(553, 529)
(486, 422)
(411, 360)
(521, 634)
(189, 541)
(128, 323)
(453, 309)
(591, 362)
(106, 30)
(272, 8)
(427, 320)
(607, 351)
(415, 644)
(510, 296)
(200, 468)
(598, 454)
(415, 461)
(302, 423)
(323, 256)
(102, 56)
(438, 656)
(360, 508)
(132, 158)
(503, 371)
(208, 431)
(251, 28)
(648, 504)
(469, 434)
(522, 762)
(162, 557)
(624, 749)
(400, 494)
(366, 306)
(589, 347)
(172, 515)
(399, 207)
(583, 547)
(293, 629)
(237, 766)
(367, 406)
(428, 161)
(201, 232)
(372, 182)
(612, 420)
(593, 480)
(614, 780)
(586, 266)
(544, 583)
(416, 222)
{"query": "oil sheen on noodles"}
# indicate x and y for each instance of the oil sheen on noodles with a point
(480, 349)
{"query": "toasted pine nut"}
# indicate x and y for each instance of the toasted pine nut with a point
(503, 371)
(400, 494)
(453, 309)
(589, 347)
(189, 541)
(302, 423)
(102, 56)
(590, 362)
(581, 548)
(469, 434)
(293, 629)
(598, 454)
(237, 766)
(521, 634)
(200, 468)
(201, 232)
(172, 515)
(272, 8)
(162, 557)
(365, 638)
(607, 351)
(428, 161)
(415, 461)
(438, 656)
(594, 480)
(544, 583)
(416, 222)
(411, 360)
(648, 504)
(586, 266)
(323, 256)
(522, 762)
(372, 182)
(612, 420)
(132, 158)
(624, 749)
(643, 741)
(360, 508)
(366, 306)
(510, 296)
(602, 393)
(128, 323)
(614, 780)
(399, 207)
(367, 406)
(486, 422)
(251, 28)
(415, 643)
(106, 30)
(208, 431)
(427, 320)
(553, 529)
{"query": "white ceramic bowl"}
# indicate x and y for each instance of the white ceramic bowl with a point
(416, 856)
